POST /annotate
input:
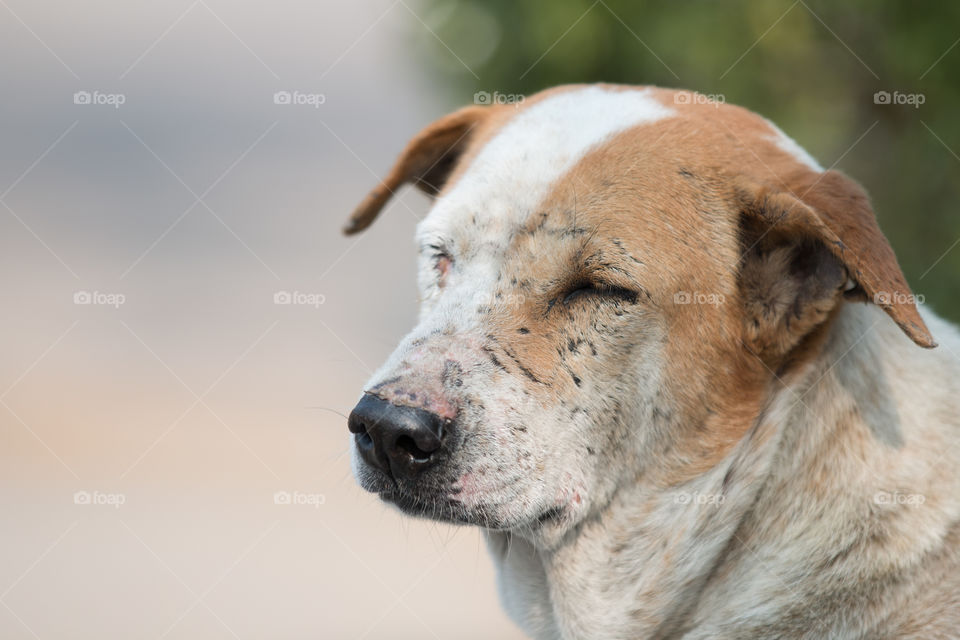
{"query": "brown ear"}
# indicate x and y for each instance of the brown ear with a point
(805, 249)
(427, 162)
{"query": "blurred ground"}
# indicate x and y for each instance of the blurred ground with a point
(198, 398)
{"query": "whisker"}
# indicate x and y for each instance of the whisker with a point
(328, 409)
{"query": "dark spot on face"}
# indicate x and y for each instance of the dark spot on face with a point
(523, 330)
(524, 370)
(576, 379)
(493, 358)
(452, 373)
(386, 382)
(529, 373)
(686, 173)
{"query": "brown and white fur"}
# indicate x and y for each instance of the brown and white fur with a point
(691, 393)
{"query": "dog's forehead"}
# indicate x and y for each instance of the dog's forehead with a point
(519, 165)
(521, 156)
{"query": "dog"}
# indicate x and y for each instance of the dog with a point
(670, 366)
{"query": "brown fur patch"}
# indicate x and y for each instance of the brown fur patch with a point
(661, 206)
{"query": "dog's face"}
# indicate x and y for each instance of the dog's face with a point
(611, 280)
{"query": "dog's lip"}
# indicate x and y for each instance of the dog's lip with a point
(442, 505)
(439, 508)
(444, 508)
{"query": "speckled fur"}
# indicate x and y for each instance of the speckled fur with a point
(675, 409)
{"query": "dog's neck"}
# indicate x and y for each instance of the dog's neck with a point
(732, 544)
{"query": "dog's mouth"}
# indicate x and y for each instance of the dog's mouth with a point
(440, 509)
(417, 501)
(438, 503)
(444, 509)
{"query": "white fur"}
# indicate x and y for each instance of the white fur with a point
(517, 168)
(646, 563)
(789, 145)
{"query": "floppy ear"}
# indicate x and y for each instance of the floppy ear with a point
(427, 162)
(805, 249)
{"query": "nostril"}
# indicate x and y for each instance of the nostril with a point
(406, 443)
(364, 439)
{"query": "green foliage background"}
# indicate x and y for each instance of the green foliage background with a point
(811, 66)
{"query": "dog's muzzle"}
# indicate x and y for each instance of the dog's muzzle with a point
(400, 441)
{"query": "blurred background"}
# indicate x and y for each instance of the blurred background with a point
(186, 327)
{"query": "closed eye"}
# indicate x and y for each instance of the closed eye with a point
(442, 262)
(600, 291)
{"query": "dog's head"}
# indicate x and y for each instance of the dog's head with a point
(612, 279)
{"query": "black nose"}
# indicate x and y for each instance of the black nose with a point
(400, 441)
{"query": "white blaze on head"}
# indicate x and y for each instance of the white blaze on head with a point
(789, 145)
(518, 167)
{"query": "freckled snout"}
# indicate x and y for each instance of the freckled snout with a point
(398, 440)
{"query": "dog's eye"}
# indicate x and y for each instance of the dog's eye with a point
(442, 263)
(599, 290)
